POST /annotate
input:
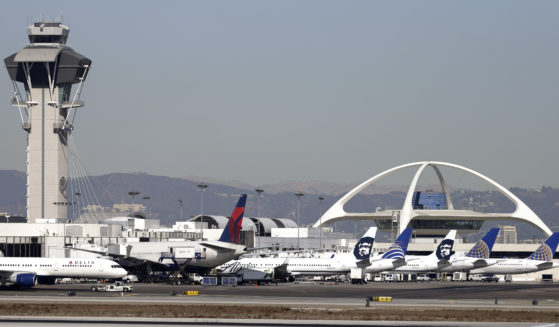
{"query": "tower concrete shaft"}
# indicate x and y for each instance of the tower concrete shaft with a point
(48, 69)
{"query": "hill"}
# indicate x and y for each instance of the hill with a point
(219, 199)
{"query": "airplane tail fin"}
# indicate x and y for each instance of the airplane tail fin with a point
(233, 227)
(364, 247)
(482, 249)
(546, 251)
(444, 249)
(400, 247)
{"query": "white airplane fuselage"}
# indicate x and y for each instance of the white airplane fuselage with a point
(467, 264)
(515, 266)
(209, 254)
(11, 267)
(340, 264)
(384, 265)
(416, 264)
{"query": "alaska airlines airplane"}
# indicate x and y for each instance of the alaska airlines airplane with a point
(477, 257)
(435, 261)
(255, 269)
(541, 259)
(337, 263)
(394, 257)
(187, 256)
(28, 272)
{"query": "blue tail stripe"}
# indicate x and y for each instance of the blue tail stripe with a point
(400, 247)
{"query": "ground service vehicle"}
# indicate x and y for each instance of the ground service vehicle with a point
(114, 287)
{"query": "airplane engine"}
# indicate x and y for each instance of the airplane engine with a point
(46, 280)
(23, 279)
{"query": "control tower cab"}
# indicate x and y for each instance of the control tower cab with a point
(47, 69)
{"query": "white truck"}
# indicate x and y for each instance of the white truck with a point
(114, 287)
(195, 278)
(357, 276)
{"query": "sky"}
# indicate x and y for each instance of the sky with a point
(269, 91)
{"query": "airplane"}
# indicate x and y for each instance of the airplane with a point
(394, 257)
(27, 272)
(255, 269)
(477, 257)
(436, 260)
(338, 263)
(186, 256)
(541, 259)
(297, 266)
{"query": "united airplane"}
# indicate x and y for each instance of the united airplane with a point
(394, 257)
(541, 259)
(477, 257)
(435, 261)
(28, 272)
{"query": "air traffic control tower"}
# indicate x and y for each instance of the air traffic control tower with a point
(48, 69)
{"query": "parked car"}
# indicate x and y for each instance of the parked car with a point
(130, 278)
(490, 278)
(423, 278)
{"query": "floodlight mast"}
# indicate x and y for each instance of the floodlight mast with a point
(47, 68)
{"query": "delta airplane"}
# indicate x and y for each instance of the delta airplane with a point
(338, 263)
(541, 259)
(394, 257)
(186, 256)
(477, 257)
(435, 261)
(28, 272)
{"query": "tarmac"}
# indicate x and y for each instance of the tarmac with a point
(467, 295)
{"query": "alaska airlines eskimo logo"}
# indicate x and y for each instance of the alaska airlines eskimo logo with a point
(480, 250)
(362, 249)
(444, 250)
(543, 253)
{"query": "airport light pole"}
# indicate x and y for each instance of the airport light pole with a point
(78, 194)
(259, 191)
(147, 198)
(320, 198)
(180, 205)
(298, 195)
(133, 194)
(202, 188)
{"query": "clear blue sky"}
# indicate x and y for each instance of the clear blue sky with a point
(266, 91)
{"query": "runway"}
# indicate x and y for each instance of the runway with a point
(418, 297)
(466, 294)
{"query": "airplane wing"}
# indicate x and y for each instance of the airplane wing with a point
(363, 263)
(220, 246)
(124, 260)
(399, 261)
(105, 253)
(545, 265)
